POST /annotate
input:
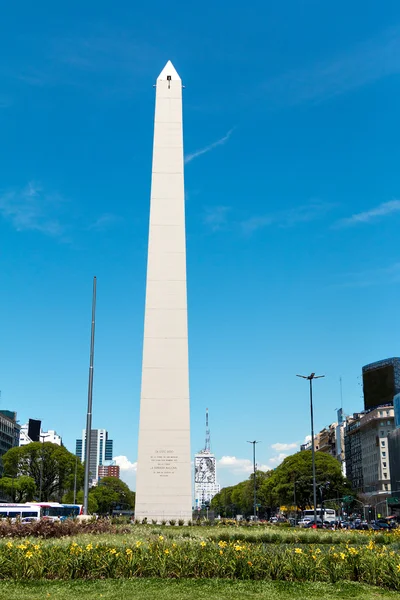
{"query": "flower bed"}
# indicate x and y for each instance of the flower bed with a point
(372, 564)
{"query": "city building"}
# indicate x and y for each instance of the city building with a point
(396, 405)
(101, 451)
(205, 474)
(109, 469)
(381, 382)
(375, 427)
(9, 433)
(44, 436)
(353, 456)
(394, 462)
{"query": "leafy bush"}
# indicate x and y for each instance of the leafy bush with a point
(199, 558)
(172, 522)
(181, 522)
(56, 529)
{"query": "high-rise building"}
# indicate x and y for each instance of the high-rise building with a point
(9, 433)
(101, 451)
(108, 470)
(205, 473)
(381, 382)
(44, 436)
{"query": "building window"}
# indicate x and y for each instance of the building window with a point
(383, 454)
(382, 433)
(385, 486)
(384, 465)
(387, 413)
(381, 413)
(388, 422)
(382, 443)
(382, 424)
(385, 475)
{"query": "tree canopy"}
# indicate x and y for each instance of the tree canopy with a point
(18, 489)
(296, 470)
(112, 493)
(51, 467)
(277, 488)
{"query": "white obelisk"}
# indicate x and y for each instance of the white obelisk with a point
(163, 487)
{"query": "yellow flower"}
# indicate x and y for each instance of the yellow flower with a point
(29, 554)
(222, 544)
(318, 551)
(203, 544)
(221, 552)
(138, 544)
(89, 547)
(161, 538)
(166, 551)
(314, 557)
(398, 567)
(298, 551)
(129, 551)
(37, 547)
(22, 547)
(174, 545)
(9, 544)
(238, 548)
(113, 551)
(249, 563)
(342, 555)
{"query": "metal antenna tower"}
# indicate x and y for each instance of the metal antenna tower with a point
(207, 447)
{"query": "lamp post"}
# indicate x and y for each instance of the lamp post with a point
(310, 379)
(89, 406)
(42, 435)
(254, 442)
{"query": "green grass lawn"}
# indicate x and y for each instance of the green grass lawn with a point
(155, 589)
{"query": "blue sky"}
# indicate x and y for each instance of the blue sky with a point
(293, 210)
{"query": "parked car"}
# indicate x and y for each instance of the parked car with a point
(311, 524)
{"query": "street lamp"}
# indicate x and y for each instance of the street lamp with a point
(254, 442)
(310, 379)
(42, 435)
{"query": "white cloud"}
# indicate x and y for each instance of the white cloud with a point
(363, 64)
(281, 447)
(239, 465)
(382, 210)
(216, 217)
(307, 439)
(125, 464)
(32, 209)
(104, 222)
(220, 142)
(276, 460)
(290, 217)
(128, 470)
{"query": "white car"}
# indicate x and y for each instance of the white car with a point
(304, 521)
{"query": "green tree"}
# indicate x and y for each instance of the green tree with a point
(239, 499)
(52, 468)
(112, 493)
(18, 489)
(278, 489)
(68, 498)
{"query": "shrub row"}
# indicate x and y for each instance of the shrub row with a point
(56, 529)
(370, 564)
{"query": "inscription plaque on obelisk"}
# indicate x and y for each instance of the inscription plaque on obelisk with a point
(163, 487)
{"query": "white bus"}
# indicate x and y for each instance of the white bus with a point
(328, 514)
(19, 511)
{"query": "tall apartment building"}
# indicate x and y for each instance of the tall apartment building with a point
(9, 433)
(353, 456)
(45, 436)
(375, 428)
(101, 451)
